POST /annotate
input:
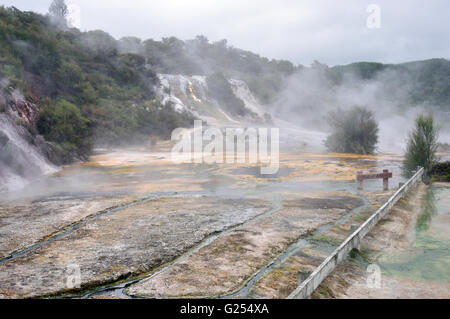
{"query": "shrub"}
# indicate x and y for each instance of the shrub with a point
(440, 172)
(421, 146)
(64, 124)
(353, 131)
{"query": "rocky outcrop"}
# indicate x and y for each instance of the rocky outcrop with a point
(29, 112)
(190, 94)
(24, 155)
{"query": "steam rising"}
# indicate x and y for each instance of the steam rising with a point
(311, 93)
(21, 159)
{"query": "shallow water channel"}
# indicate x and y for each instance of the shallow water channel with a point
(428, 257)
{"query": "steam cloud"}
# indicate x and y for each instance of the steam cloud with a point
(309, 95)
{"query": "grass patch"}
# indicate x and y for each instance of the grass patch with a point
(323, 291)
(362, 216)
(326, 239)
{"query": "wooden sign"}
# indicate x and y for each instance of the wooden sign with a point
(360, 177)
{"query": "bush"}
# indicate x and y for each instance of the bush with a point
(354, 131)
(421, 146)
(68, 75)
(440, 172)
(64, 124)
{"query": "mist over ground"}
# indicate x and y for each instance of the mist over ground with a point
(129, 90)
(389, 91)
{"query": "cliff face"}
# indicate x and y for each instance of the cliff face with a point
(191, 94)
(24, 155)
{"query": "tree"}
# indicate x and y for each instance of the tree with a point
(354, 131)
(64, 124)
(421, 146)
(58, 9)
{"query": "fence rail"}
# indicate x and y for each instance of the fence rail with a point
(306, 288)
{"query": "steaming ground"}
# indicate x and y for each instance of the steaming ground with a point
(126, 213)
(309, 95)
(138, 225)
(298, 113)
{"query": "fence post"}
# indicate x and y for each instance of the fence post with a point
(302, 275)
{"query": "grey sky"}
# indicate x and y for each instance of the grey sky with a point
(333, 32)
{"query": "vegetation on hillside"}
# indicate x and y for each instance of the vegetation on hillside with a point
(64, 124)
(84, 77)
(201, 57)
(425, 82)
(421, 146)
(311, 92)
(353, 131)
(111, 81)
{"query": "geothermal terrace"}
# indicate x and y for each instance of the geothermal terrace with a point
(131, 224)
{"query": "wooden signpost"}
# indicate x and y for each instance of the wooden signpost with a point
(360, 177)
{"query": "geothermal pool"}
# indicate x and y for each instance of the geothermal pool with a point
(132, 224)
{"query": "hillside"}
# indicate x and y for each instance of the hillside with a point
(107, 86)
(88, 88)
(426, 82)
(84, 91)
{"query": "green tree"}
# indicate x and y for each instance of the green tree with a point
(64, 124)
(58, 11)
(354, 131)
(421, 146)
(58, 8)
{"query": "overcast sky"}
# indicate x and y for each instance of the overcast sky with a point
(333, 32)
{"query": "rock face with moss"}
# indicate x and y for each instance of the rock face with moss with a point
(24, 154)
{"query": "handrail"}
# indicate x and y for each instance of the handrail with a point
(306, 288)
